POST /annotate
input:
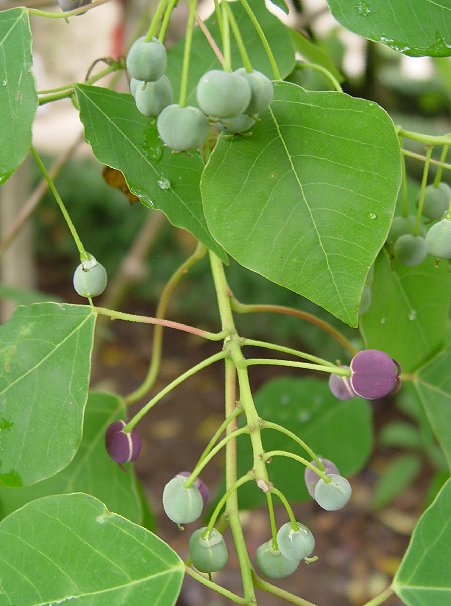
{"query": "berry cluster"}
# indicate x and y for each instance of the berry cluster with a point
(411, 248)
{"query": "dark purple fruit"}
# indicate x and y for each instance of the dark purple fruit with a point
(122, 446)
(374, 374)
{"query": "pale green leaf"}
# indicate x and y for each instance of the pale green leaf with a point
(416, 27)
(423, 578)
(91, 471)
(315, 53)
(70, 548)
(45, 352)
(18, 98)
(123, 138)
(312, 195)
(410, 323)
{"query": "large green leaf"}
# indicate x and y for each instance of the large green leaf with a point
(410, 323)
(339, 431)
(395, 478)
(18, 98)
(45, 352)
(312, 194)
(71, 548)
(204, 59)
(423, 578)
(91, 471)
(433, 386)
(416, 27)
(123, 138)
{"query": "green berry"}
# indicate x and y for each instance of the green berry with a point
(239, 124)
(134, 84)
(146, 60)
(436, 201)
(208, 554)
(295, 544)
(274, 564)
(153, 97)
(90, 278)
(223, 94)
(182, 505)
(438, 239)
(70, 5)
(261, 90)
(402, 226)
(182, 128)
(410, 250)
(333, 495)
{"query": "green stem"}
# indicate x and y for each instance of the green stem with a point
(233, 415)
(226, 45)
(218, 588)
(281, 593)
(79, 244)
(416, 229)
(379, 599)
(288, 350)
(239, 39)
(218, 14)
(297, 439)
(186, 375)
(302, 315)
(264, 41)
(166, 20)
(322, 70)
(426, 139)
(409, 154)
(187, 53)
(213, 452)
(335, 370)
(224, 498)
(119, 315)
(286, 504)
(66, 14)
(405, 202)
(438, 176)
(290, 455)
(272, 521)
(155, 20)
(162, 306)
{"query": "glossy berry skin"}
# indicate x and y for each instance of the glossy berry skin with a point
(334, 495)
(410, 250)
(146, 61)
(182, 128)
(237, 125)
(438, 239)
(274, 564)
(152, 97)
(402, 226)
(122, 447)
(374, 374)
(182, 505)
(295, 544)
(90, 278)
(208, 554)
(70, 5)
(203, 488)
(134, 84)
(311, 478)
(436, 201)
(262, 90)
(341, 387)
(223, 94)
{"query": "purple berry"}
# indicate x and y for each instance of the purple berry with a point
(202, 487)
(374, 374)
(122, 447)
(311, 478)
(341, 387)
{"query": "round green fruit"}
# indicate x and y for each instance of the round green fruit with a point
(402, 226)
(223, 94)
(239, 124)
(295, 544)
(146, 60)
(262, 90)
(90, 278)
(182, 128)
(134, 84)
(274, 564)
(436, 201)
(410, 250)
(208, 554)
(153, 97)
(182, 505)
(438, 240)
(333, 495)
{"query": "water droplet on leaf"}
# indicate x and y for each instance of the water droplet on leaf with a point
(363, 9)
(372, 216)
(163, 183)
(412, 315)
